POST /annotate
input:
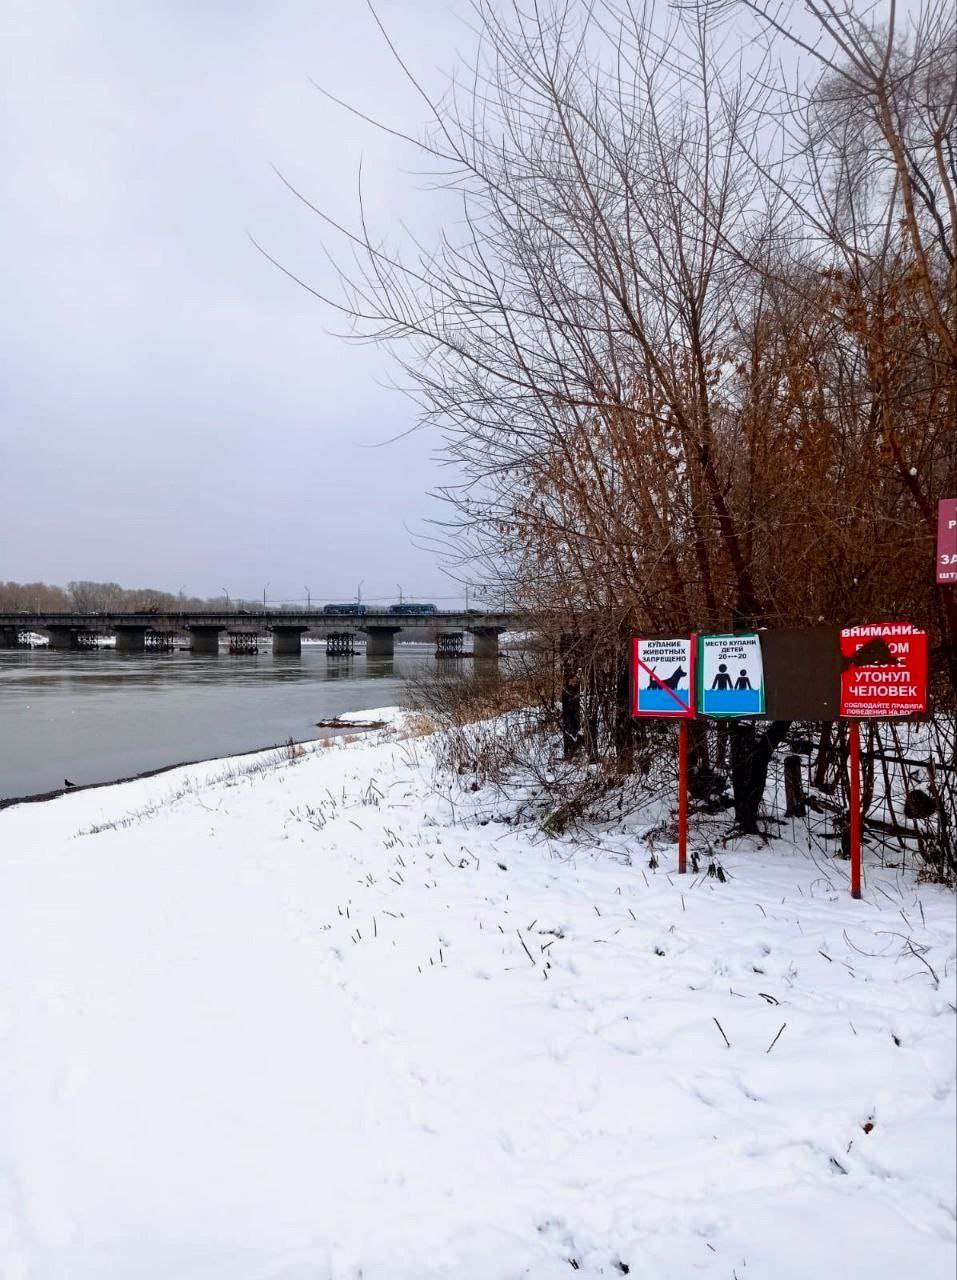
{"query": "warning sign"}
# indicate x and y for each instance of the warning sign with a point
(730, 676)
(662, 677)
(883, 670)
(947, 540)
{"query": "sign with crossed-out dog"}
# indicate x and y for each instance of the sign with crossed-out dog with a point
(662, 677)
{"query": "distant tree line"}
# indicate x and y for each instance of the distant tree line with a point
(106, 597)
(100, 597)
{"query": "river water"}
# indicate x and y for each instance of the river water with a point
(95, 716)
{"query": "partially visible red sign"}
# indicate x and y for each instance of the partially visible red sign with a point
(883, 670)
(947, 540)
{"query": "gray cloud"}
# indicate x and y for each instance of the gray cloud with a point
(174, 411)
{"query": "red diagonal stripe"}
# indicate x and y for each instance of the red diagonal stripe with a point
(685, 706)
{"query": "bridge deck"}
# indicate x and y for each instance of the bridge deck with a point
(266, 619)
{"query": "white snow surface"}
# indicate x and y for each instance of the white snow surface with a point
(309, 1019)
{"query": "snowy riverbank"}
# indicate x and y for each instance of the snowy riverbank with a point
(330, 1017)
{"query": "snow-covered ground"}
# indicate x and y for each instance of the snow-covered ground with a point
(330, 1017)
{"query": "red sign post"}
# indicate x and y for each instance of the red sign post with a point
(857, 817)
(883, 674)
(662, 685)
(682, 797)
(947, 541)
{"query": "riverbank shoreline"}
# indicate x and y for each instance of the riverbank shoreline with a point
(332, 729)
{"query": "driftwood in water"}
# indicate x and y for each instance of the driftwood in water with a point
(355, 725)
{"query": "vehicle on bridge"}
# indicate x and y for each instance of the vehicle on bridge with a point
(409, 609)
(352, 608)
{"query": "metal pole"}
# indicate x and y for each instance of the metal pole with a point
(682, 798)
(854, 734)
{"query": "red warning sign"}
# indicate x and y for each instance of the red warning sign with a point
(947, 541)
(883, 670)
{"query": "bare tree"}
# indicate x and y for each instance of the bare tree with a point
(690, 340)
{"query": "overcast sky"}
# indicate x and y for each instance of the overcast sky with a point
(175, 413)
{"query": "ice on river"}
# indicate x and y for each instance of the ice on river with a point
(313, 1021)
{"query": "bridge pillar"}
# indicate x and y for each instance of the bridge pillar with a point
(287, 641)
(485, 642)
(130, 639)
(204, 639)
(161, 641)
(9, 637)
(64, 637)
(340, 644)
(244, 641)
(448, 644)
(380, 641)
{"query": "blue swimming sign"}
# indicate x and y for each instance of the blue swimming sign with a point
(730, 676)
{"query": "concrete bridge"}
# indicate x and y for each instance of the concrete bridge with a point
(73, 630)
